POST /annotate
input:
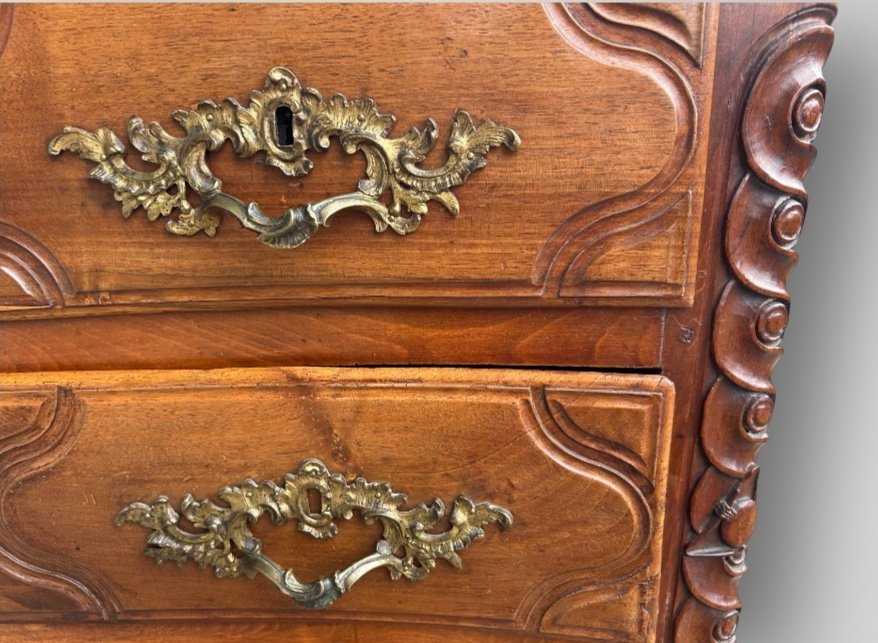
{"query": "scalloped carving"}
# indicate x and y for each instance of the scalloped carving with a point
(756, 243)
(31, 443)
(727, 405)
(747, 331)
(784, 110)
(765, 216)
(682, 24)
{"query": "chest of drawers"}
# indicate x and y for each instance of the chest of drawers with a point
(564, 331)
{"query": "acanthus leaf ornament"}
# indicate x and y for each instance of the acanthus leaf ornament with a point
(407, 548)
(285, 121)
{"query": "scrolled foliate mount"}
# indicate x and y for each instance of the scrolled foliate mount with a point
(407, 548)
(285, 121)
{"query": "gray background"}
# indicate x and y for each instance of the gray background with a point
(813, 575)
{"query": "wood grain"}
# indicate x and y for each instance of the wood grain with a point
(183, 632)
(325, 336)
(597, 164)
(586, 510)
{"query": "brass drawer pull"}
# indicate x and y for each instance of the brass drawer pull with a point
(227, 545)
(285, 120)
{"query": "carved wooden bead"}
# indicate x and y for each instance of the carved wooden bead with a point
(772, 321)
(807, 113)
(724, 630)
(758, 414)
(786, 223)
(735, 564)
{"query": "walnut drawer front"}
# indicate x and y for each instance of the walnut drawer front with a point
(579, 459)
(601, 202)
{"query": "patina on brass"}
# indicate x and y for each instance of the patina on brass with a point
(227, 545)
(285, 121)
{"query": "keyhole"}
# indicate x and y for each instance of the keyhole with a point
(283, 118)
(315, 501)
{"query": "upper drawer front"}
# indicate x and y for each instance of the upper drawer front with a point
(579, 459)
(600, 203)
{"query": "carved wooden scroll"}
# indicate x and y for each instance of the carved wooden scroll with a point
(780, 118)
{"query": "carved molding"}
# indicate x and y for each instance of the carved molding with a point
(578, 607)
(681, 23)
(664, 213)
(627, 37)
(45, 438)
(780, 118)
(552, 598)
(565, 604)
(562, 441)
(591, 604)
(558, 604)
(42, 280)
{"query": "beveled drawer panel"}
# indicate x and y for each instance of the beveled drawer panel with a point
(579, 459)
(601, 203)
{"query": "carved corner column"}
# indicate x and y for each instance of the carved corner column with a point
(766, 210)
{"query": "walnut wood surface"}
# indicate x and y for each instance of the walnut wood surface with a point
(647, 224)
(605, 338)
(578, 459)
(600, 204)
(187, 632)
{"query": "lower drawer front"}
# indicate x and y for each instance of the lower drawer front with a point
(578, 459)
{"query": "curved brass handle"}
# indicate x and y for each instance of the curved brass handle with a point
(285, 120)
(227, 545)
